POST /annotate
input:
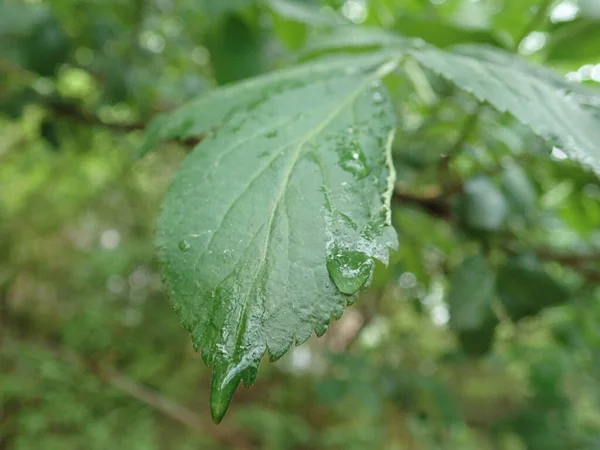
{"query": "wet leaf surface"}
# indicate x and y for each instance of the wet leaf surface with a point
(273, 222)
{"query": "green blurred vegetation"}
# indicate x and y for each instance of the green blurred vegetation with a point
(92, 356)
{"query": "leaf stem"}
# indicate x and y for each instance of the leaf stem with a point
(467, 129)
(440, 207)
(538, 19)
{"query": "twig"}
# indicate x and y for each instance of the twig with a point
(61, 107)
(370, 310)
(436, 207)
(439, 206)
(153, 399)
(467, 129)
(72, 111)
(578, 262)
(536, 20)
(170, 408)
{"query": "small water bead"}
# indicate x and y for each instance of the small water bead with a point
(354, 161)
(355, 167)
(184, 245)
(378, 98)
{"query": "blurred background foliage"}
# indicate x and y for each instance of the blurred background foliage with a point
(483, 333)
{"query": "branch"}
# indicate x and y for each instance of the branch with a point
(579, 262)
(435, 205)
(153, 399)
(439, 206)
(61, 107)
(170, 408)
(466, 131)
(72, 111)
(538, 19)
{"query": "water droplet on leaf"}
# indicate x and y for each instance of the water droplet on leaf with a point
(378, 97)
(353, 160)
(349, 269)
(184, 245)
(355, 166)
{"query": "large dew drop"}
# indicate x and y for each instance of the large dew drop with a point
(349, 269)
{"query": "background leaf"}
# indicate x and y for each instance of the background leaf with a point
(444, 34)
(525, 289)
(482, 206)
(554, 108)
(306, 13)
(577, 41)
(236, 49)
(518, 190)
(471, 294)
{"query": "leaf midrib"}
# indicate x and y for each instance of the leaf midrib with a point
(383, 69)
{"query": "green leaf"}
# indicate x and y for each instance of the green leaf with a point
(482, 206)
(19, 19)
(217, 8)
(47, 47)
(235, 49)
(306, 13)
(525, 288)
(479, 341)
(577, 41)
(559, 111)
(293, 20)
(352, 39)
(444, 34)
(590, 8)
(518, 190)
(272, 223)
(514, 16)
(471, 294)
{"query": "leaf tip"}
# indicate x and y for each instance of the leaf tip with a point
(217, 411)
(221, 393)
